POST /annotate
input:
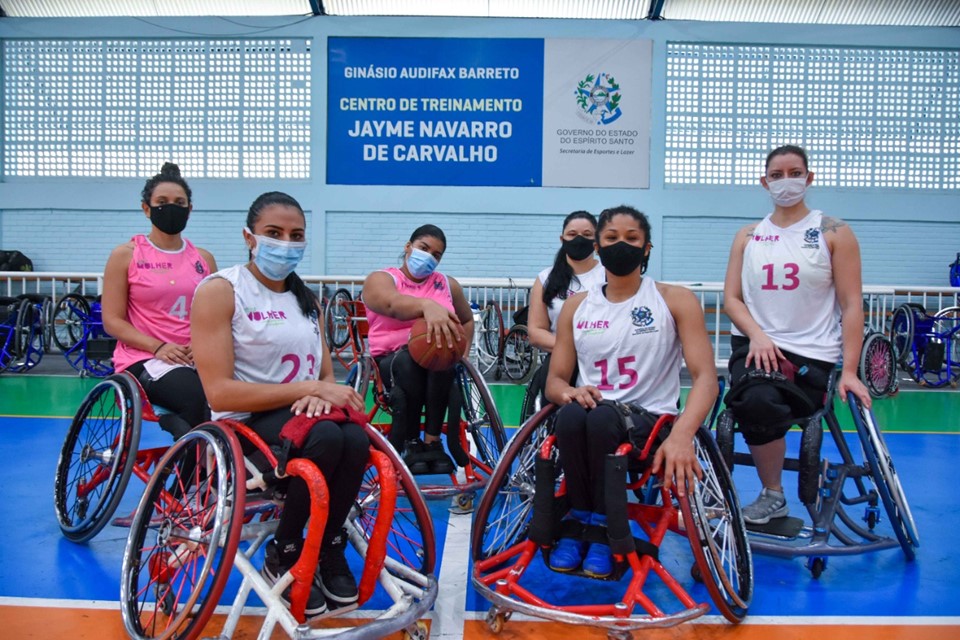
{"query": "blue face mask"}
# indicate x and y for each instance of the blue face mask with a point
(276, 259)
(421, 264)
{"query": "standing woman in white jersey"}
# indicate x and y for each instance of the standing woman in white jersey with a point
(575, 269)
(792, 279)
(626, 338)
(262, 360)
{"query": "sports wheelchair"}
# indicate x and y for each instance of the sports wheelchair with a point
(21, 333)
(186, 534)
(516, 524)
(477, 437)
(927, 346)
(878, 365)
(824, 490)
(78, 332)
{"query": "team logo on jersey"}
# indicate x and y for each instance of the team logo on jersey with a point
(589, 327)
(641, 316)
(198, 266)
(768, 238)
(812, 237)
(265, 315)
(438, 284)
(154, 266)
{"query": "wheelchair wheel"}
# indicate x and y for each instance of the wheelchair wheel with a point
(46, 321)
(519, 356)
(945, 322)
(97, 457)
(878, 365)
(902, 326)
(28, 340)
(483, 424)
(725, 422)
(506, 508)
(490, 338)
(885, 477)
(717, 533)
(530, 403)
(68, 317)
(184, 536)
(411, 540)
(337, 319)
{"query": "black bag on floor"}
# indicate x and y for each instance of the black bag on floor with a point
(15, 261)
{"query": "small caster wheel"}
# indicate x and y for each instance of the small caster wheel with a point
(495, 620)
(619, 634)
(817, 566)
(462, 503)
(418, 631)
(696, 574)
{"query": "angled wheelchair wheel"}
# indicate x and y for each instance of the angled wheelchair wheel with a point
(68, 318)
(902, 329)
(484, 428)
(184, 536)
(531, 403)
(885, 477)
(97, 457)
(519, 355)
(724, 428)
(717, 533)
(46, 320)
(337, 319)
(945, 323)
(28, 339)
(491, 338)
(878, 365)
(503, 516)
(410, 541)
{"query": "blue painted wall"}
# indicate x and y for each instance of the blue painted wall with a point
(907, 236)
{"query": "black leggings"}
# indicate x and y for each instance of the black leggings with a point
(413, 388)
(584, 438)
(179, 391)
(764, 414)
(340, 451)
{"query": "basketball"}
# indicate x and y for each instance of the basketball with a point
(430, 355)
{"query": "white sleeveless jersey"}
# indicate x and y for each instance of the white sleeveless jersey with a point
(629, 350)
(272, 340)
(788, 287)
(582, 282)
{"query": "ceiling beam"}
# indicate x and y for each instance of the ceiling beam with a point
(656, 10)
(317, 7)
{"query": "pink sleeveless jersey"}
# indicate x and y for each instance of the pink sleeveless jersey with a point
(160, 292)
(388, 334)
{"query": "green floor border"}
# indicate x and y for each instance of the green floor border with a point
(910, 411)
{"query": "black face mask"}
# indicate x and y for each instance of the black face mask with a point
(621, 258)
(578, 248)
(169, 218)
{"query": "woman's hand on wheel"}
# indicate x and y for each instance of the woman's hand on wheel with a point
(442, 324)
(678, 459)
(175, 354)
(587, 396)
(850, 382)
(764, 354)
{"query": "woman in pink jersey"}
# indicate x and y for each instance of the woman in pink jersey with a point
(624, 339)
(148, 287)
(791, 279)
(395, 298)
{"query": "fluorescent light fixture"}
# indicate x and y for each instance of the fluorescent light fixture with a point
(147, 8)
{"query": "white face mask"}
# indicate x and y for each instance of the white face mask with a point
(787, 192)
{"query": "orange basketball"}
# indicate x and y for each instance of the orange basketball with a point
(430, 355)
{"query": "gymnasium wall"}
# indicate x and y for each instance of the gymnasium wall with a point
(907, 235)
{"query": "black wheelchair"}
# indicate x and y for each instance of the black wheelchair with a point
(21, 333)
(831, 491)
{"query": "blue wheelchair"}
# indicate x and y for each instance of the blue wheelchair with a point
(21, 334)
(78, 332)
(927, 346)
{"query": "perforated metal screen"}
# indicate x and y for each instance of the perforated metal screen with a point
(120, 108)
(868, 117)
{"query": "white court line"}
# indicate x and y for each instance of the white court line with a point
(450, 607)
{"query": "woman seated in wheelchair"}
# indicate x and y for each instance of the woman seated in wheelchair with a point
(148, 287)
(791, 279)
(575, 269)
(394, 299)
(625, 340)
(260, 352)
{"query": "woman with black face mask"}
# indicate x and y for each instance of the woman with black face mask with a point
(148, 287)
(626, 339)
(575, 269)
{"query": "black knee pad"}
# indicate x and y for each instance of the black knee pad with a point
(766, 404)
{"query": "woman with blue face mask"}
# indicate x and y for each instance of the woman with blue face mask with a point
(148, 286)
(395, 298)
(263, 360)
(792, 282)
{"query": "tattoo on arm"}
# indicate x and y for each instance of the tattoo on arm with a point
(831, 224)
(749, 231)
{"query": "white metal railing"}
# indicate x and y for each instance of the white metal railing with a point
(512, 294)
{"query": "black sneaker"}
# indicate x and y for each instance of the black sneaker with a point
(437, 459)
(414, 458)
(333, 576)
(277, 562)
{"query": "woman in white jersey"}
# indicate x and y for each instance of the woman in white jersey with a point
(262, 359)
(626, 338)
(148, 286)
(791, 279)
(574, 269)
